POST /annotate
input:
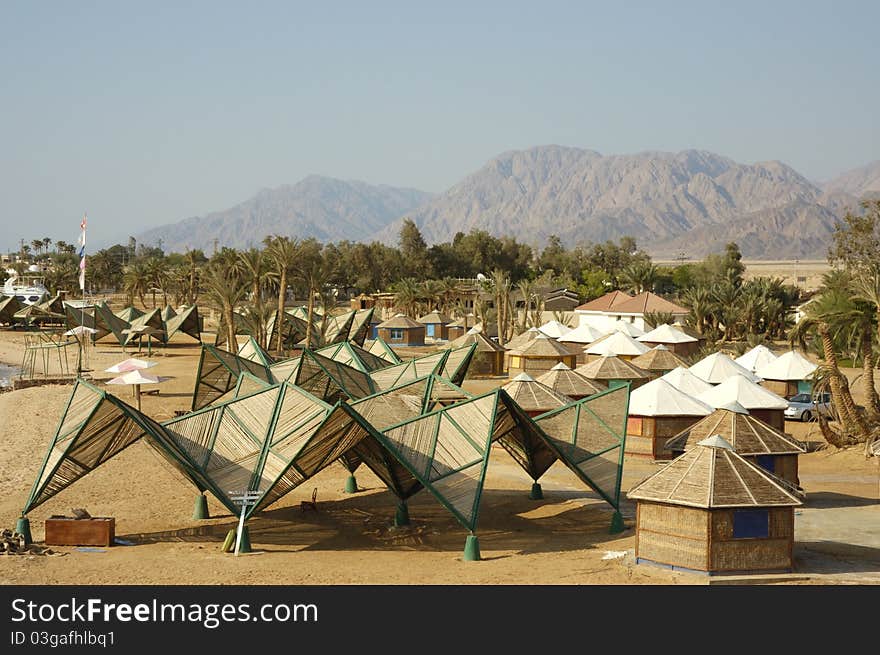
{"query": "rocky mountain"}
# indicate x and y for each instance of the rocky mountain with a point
(690, 201)
(322, 207)
(859, 183)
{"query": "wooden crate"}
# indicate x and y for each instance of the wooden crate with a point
(95, 531)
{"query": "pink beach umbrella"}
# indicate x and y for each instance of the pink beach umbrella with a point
(131, 364)
(137, 378)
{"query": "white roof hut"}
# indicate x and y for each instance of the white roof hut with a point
(666, 334)
(554, 329)
(717, 367)
(755, 358)
(583, 334)
(658, 411)
(659, 398)
(790, 366)
(628, 328)
(761, 402)
(617, 343)
(684, 380)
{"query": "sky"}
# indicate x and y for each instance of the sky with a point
(143, 114)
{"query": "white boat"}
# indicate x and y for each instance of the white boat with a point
(29, 288)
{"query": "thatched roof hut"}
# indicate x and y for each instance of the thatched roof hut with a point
(659, 360)
(657, 410)
(717, 367)
(711, 510)
(400, 330)
(788, 374)
(757, 441)
(758, 400)
(488, 357)
(568, 382)
(533, 397)
(541, 354)
(522, 339)
(614, 371)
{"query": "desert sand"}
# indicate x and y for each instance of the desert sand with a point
(563, 539)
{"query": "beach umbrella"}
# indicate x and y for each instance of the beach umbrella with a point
(130, 364)
(137, 378)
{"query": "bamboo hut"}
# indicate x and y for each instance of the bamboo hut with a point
(659, 360)
(673, 338)
(681, 378)
(713, 511)
(541, 354)
(789, 374)
(657, 411)
(717, 367)
(401, 330)
(568, 382)
(533, 397)
(458, 328)
(436, 325)
(616, 343)
(759, 401)
(755, 358)
(752, 438)
(614, 372)
(554, 329)
(488, 359)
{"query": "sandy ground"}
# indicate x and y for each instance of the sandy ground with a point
(563, 539)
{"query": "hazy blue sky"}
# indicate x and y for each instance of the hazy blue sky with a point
(145, 113)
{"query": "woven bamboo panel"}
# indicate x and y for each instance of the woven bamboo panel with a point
(751, 555)
(356, 383)
(328, 443)
(474, 417)
(194, 432)
(286, 483)
(765, 491)
(674, 520)
(779, 387)
(296, 408)
(285, 370)
(641, 446)
(386, 378)
(235, 475)
(611, 408)
(603, 471)
(387, 468)
(370, 361)
(255, 412)
(673, 550)
(186, 322)
(83, 400)
(456, 365)
(683, 481)
(290, 443)
(453, 450)
(781, 523)
(460, 490)
(232, 444)
(414, 442)
(385, 410)
(247, 384)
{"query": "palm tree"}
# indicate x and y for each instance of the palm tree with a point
(38, 246)
(136, 280)
(529, 292)
(314, 272)
(866, 287)
(502, 286)
(283, 253)
(828, 314)
(46, 243)
(193, 259)
(407, 293)
(254, 267)
(432, 292)
(699, 300)
(224, 290)
(639, 276)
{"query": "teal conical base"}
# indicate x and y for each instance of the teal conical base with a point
(200, 509)
(536, 493)
(351, 485)
(472, 549)
(401, 518)
(617, 523)
(245, 545)
(23, 527)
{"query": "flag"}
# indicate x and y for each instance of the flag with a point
(82, 253)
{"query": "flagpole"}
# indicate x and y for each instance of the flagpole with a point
(82, 284)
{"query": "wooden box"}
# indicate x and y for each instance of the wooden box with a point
(95, 531)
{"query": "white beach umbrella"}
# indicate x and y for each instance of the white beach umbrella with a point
(136, 378)
(131, 364)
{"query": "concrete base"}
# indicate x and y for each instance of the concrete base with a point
(536, 493)
(617, 524)
(245, 545)
(23, 527)
(401, 517)
(351, 485)
(200, 509)
(472, 549)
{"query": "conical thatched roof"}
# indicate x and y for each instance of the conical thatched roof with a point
(543, 346)
(583, 334)
(554, 329)
(609, 367)
(717, 367)
(712, 475)
(435, 317)
(659, 398)
(659, 358)
(746, 393)
(570, 383)
(755, 358)
(682, 379)
(666, 334)
(748, 435)
(617, 343)
(401, 321)
(523, 338)
(484, 344)
(533, 396)
(790, 366)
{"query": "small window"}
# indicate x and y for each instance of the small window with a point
(767, 462)
(751, 524)
(397, 334)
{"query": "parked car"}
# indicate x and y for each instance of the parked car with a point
(803, 407)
